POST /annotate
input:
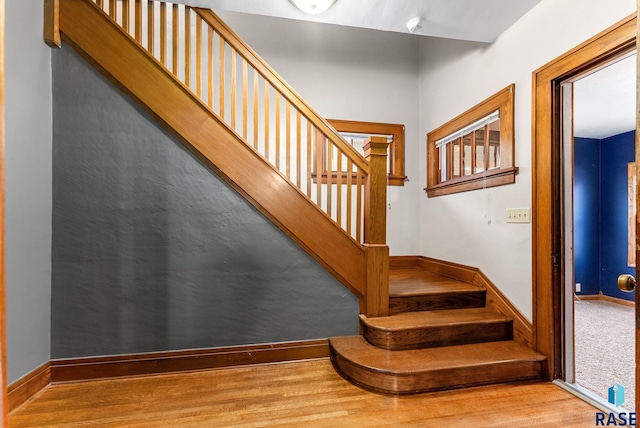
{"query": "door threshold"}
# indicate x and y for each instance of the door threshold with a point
(590, 397)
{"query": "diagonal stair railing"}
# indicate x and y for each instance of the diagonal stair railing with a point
(237, 86)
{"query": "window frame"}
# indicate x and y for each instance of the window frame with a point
(504, 174)
(396, 176)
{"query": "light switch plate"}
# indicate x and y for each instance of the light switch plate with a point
(518, 215)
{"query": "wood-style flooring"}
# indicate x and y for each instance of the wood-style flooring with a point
(308, 394)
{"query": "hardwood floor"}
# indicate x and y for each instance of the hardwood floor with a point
(307, 393)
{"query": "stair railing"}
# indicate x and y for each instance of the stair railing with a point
(252, 99)
(210, 61)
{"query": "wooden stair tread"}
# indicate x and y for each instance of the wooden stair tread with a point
(426, 319)
(405, 362)
(433, 369)
(410, 282)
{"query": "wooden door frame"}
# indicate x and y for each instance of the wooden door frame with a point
(4, 402)
(547, 230)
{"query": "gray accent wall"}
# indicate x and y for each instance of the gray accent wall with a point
(27, 188)
(153, 252)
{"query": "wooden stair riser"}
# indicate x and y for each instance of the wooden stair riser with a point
(445, 335)
(432, 302)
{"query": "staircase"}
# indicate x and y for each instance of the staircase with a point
(424, 329)
(440, 335)
(209, 89)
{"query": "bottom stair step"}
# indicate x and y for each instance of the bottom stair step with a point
(432, 369)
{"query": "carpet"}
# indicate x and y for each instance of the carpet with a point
(605, 347)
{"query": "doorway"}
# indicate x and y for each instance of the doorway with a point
(549, 265)
(598, 154)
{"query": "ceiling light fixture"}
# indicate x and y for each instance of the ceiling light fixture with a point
(414, 24)
(313, 7)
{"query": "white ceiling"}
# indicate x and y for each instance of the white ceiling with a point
(475, 20)
(604, 102)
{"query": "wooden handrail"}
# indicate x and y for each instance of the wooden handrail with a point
(281, 85)
(210, 66)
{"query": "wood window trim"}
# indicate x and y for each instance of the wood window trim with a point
(505, 174)
(397, 176)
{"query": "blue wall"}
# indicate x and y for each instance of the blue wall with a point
(586, 197)
(615, 154)
(600, 210)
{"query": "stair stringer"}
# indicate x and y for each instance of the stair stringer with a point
(130, 67)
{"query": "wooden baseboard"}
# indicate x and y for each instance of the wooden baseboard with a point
(403, 262)
(90, 368)
(522, 328)
(29, 385)
(605, 298)
(79, 369)
(452, 270)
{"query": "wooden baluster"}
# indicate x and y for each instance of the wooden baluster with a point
(187, 46)
(151, 19)
(233, 87)
(199, 56)
(329, 174)
(113, 10)
(100, 4)
(138, 19)
(245, 97)
(460, 157)
(376, 295)
(309, 158)
(266, 118)
(319, 152)
(298, 126)
(449, 148)
(163, 33)
(288, 138)
(175, 40)
(210, 67)
(487, 156)
(277, 130)
(349, 193)
(473, 152)
(125, 15)
(256, 96)
(339, 189)
(359, 216)
(221, 89)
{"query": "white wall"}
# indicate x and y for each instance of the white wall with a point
(28, 188)
(352, 74)
(470, 227)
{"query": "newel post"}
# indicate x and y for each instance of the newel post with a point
(376, 296)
